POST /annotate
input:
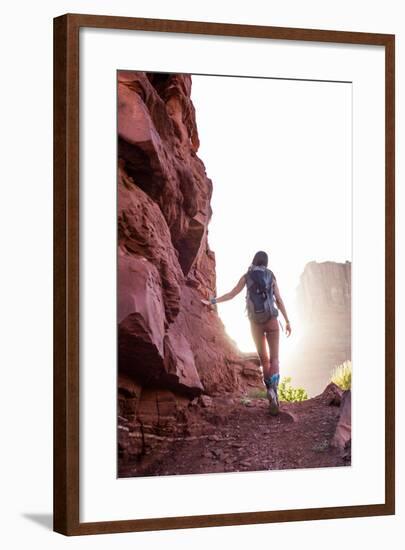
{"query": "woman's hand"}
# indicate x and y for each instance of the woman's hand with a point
(288, 329)
(206, 302)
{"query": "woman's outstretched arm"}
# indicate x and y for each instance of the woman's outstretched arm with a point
(229, 295)
(281, 306)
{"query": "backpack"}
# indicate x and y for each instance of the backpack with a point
(260, 304)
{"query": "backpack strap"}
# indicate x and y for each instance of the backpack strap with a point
(270, 279)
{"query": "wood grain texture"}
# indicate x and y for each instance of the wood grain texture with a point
(390, 274)
(66, 276)
(66, 273)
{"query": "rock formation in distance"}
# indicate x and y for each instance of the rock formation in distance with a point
(323, 324)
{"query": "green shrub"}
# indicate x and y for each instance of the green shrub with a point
(342, 375)
(287, 393)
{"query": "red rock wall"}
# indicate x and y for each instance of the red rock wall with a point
(169, 343)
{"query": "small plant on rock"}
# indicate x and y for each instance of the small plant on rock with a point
(342, 375)
(245, 401)
(258, 394)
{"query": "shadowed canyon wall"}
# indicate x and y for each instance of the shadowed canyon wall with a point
(171, 348)
(323, 323)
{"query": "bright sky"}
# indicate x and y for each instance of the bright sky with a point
(279, 155)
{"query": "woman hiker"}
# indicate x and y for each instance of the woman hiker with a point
(261, 297)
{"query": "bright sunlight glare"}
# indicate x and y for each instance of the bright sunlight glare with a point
(279, 156)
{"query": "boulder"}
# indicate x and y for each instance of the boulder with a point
(141, 319)
(332, 395)
(180, 365)
(343, 434)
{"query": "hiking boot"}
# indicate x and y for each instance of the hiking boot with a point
(272, 394)
(274, 404)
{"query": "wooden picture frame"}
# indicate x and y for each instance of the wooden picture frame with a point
(66, 273)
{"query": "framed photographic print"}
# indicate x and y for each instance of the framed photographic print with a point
(223, 274)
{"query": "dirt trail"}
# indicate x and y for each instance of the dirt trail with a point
(243, 436)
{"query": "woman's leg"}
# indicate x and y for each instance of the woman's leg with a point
(272, 336)
(259, 338)
(273, 339)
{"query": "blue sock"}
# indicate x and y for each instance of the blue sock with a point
(274, 380)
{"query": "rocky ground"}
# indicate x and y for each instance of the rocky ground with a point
(241, 435)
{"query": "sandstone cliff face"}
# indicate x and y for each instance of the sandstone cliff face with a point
(324, 324)
(171, 348)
